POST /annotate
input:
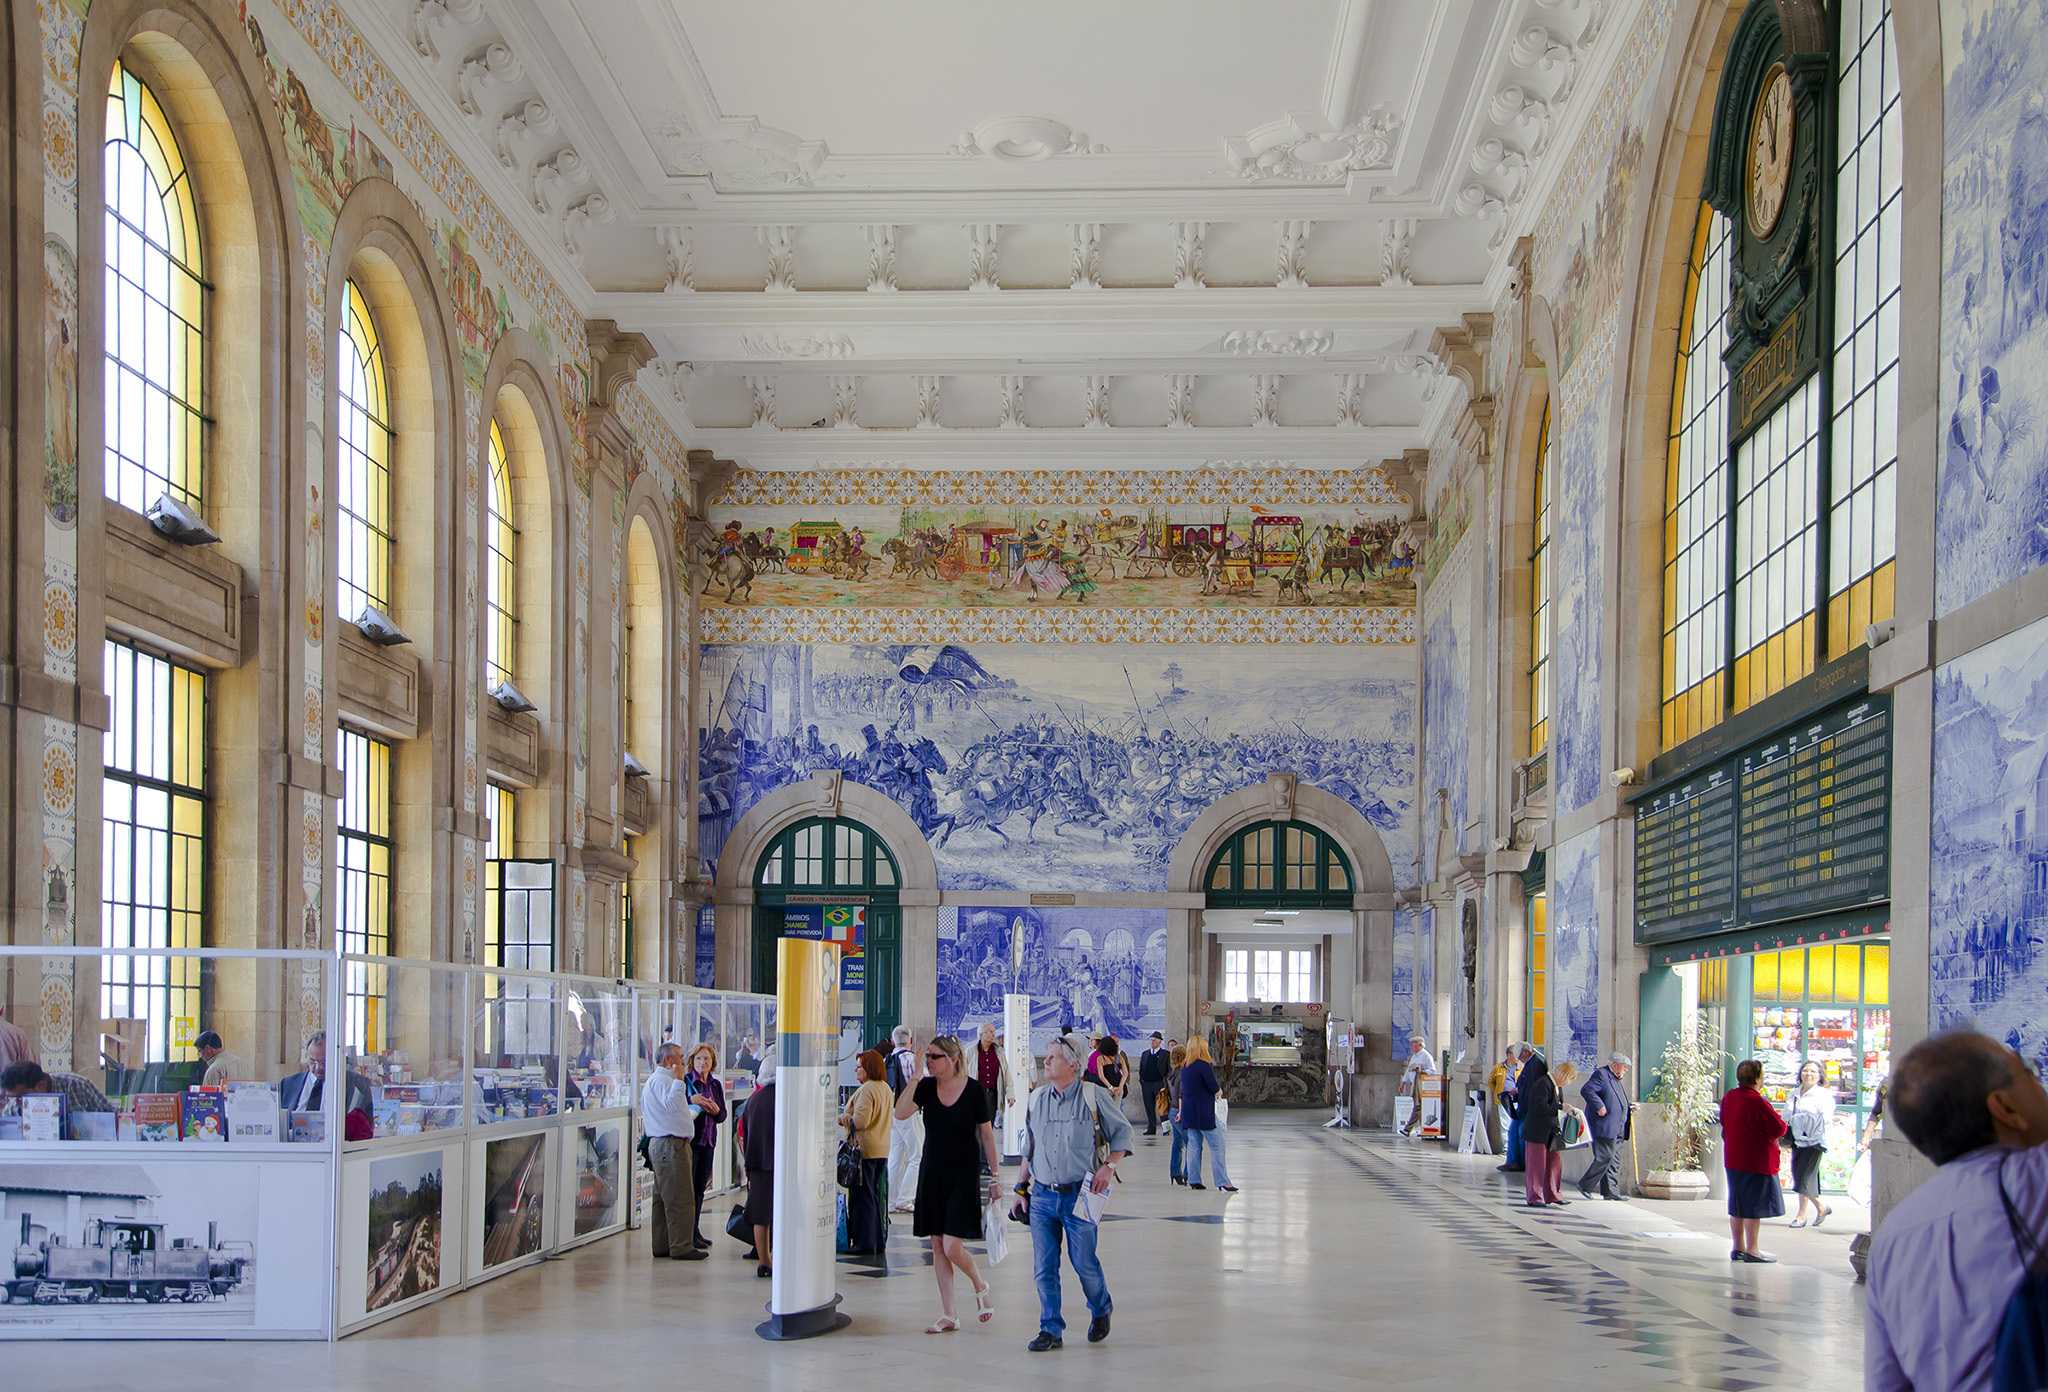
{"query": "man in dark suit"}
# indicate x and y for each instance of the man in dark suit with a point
(1153, 1066)
(302, 1091)
(1607, 1109)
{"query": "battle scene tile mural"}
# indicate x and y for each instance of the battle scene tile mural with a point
(1578, 607)
(1991, 513)
(1044, 768)
(1988, 870)
(1575, 952)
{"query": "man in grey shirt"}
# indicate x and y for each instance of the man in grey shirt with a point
(1061, 1125)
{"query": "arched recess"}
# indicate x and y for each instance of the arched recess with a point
(381, 245)
(750, 838)
(517, 394)
(655, 701)
(200, 65)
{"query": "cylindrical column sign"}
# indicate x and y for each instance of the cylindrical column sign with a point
(803, 1299)
(1017, 1054)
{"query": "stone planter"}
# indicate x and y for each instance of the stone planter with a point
(1674, 1184)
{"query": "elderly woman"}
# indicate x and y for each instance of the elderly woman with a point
(868, 1118)
(1750, 1128)
(707, 1094)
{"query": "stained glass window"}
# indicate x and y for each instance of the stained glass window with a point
(155, 306)
(363, 495)
(153, 845)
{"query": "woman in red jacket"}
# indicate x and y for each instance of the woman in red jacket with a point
(1750, 1128)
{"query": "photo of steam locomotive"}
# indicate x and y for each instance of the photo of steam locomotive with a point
(123, 1259)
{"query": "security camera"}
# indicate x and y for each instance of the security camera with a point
(376, 625)
(510, 698)
(1881, 632)
(176, 522)
(1622, 778)
(634, 768)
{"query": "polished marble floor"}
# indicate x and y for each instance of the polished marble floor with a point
(1348, 1261)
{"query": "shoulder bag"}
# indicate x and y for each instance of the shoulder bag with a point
(2020, 1361)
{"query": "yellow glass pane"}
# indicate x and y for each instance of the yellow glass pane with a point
(1877, 975)
(1848, 972)
(1764, 976)
(1838, 624)
(1820, 973)
(1881, 597)
(1792, 973)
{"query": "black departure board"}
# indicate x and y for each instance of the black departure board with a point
(1815, 816)
(1796, 824)
(1685, 858)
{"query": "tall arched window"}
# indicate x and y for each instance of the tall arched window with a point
(1539, 598)
(1782, 561)
(364, 497)
(501, 568)
(155, 306)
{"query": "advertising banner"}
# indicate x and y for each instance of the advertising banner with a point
(845, 926)
(803, 1300)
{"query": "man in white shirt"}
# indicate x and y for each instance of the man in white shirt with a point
(1420, 1062)
(669, 1120)
(906, 1138)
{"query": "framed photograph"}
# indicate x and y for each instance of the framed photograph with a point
(404, 1228)
(514, 1197)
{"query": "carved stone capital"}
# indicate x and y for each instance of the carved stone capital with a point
(616, 358)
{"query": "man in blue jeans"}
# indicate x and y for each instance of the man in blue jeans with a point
(1060, 1128)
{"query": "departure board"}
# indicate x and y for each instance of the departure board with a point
(1685, 858)
(1815, 816)
(1796, 824)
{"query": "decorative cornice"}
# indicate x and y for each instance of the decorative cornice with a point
(1304, 147)
(1023, 139)
(1219, 627)
(1267, 483)
(1301, 343)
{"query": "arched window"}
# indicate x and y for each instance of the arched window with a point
(1539, 598)
(155, 306)
(1806, 565)
(501, 567)
(364, 497)
(1288, 863)
(827, 853)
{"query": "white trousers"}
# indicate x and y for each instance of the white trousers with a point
(906, 1149)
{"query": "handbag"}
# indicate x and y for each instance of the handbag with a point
(1571, 1127)
(2020, 1361)
(849, 1164)
(737, 1227)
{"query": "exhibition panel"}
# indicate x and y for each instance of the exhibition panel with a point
(185, 1185)
(171, 1174)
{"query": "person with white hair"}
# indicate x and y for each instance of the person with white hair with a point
(1073, 1137)
(1421, 1064)
(1608, 1106)
(906, 1139)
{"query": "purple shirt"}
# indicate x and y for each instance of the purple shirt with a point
(1942, 1268)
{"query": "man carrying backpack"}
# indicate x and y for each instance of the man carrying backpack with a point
(1951, 1302)
(906, 1138)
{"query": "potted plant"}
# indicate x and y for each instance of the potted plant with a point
(1686, 1087)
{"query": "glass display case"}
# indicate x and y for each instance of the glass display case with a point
(597, 1020)
(517, 1061)
(408, 1047)
(1269, 1043)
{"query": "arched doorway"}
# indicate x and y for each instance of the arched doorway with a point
(833, 877)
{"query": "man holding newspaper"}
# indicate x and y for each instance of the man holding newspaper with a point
(1074, 1134)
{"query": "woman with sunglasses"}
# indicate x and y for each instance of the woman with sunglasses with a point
(950, 1191)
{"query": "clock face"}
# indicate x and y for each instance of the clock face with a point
(1771, 131)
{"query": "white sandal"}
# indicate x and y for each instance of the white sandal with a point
(944, 1324)
(985, 1304)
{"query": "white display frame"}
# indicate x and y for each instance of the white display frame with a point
(474, 1270)
(298, 1224)
(569, 1180)
(353, 1243)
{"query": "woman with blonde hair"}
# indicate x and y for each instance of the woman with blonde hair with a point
(707, 1094)
(957, 1139)
(1175, 1171)
(1199, 1089)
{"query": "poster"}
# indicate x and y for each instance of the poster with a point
(405, 1228)
(843, 925)
(599, 1183)
(515, 1189)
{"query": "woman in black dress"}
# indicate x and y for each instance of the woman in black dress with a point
(950, 1193)
(760, 1157)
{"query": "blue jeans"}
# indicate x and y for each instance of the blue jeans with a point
(1052, 1214)
(1174, 1168)
(1514, 1146)
(1213, 1138)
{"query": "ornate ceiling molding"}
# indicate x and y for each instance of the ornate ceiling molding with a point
(1023, 139)
(1304, 147)
(1302, 343)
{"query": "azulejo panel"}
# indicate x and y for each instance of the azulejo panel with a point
(1074, 624)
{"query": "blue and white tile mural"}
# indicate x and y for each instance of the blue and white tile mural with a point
(1096, 970)
(1988, 871)
(1082, 767)
(1991, 516)
(1575, 951)
(1446, 732)
(1578, 607)
(1404, 981)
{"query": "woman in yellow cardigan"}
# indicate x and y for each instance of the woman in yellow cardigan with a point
(867, 1118)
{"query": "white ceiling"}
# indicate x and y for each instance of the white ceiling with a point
(1302, 924)
(1263, 210)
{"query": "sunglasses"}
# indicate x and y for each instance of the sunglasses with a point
(934, 1057)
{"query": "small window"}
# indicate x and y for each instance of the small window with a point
(1236, 975)
(1300, 974)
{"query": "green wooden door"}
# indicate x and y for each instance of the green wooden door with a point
(884, 957)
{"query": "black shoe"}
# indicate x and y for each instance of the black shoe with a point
(1228, 1188)
(752, 1254)
(1615, 1198)
(764, 1271)
(702, 1244)
(1560, 1203)
(1098, 1329)
(1584, 1192)
(1198, 1186)
(1755, 1258)
(1043, 1341)
(1735, 1255)
(1508, 1169)
(694, 1254)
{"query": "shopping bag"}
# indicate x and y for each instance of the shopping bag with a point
(1222, 1112)
(1859, 1180)
(993, 1233)
(1404, 1109)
